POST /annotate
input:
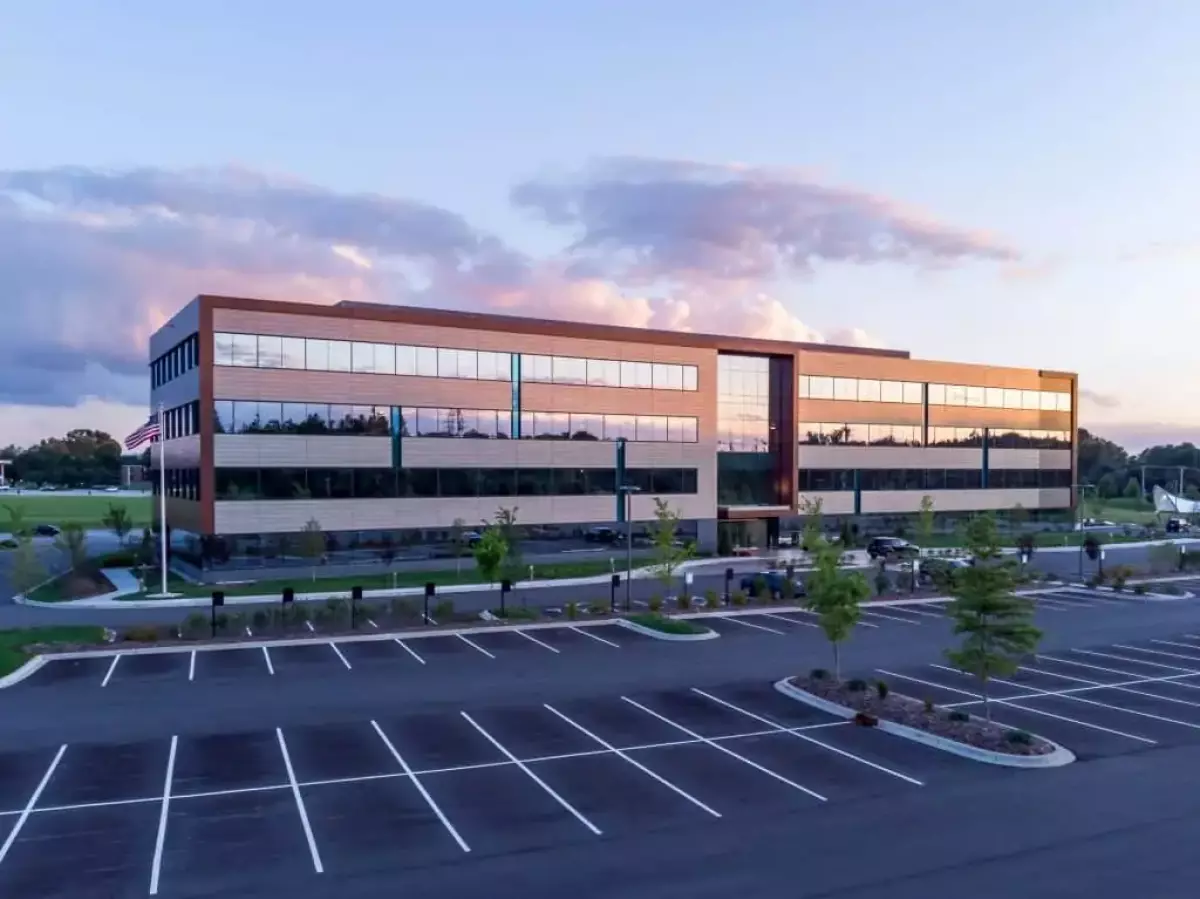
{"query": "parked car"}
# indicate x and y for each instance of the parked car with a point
(602, 535)
(937, 571)
(470, 539)
(773, 581)
(45, 530)
(892, 548)
(1178, 526)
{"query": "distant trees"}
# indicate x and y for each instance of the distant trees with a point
(83, 458)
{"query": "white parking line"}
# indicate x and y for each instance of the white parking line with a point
(915, 610)
(412, 652)
(584, 631)
(977, 698)
(192, 666)
(537, 641)
(309, 625)
(1045, 602)
(888, 617)
(416, 782)
(37, 793)
(800, 736)
(156, 862)
(781, 617)
(1131, 674)
(475, 646)
(1074, 698)
(111, 669)
(621, 755)
(725, 749)
(267, 657)
(1157, 652)
(303, 812)
(757, 627)
(579, 816)
(345, 661)
(371, 622)
(1178, 645)
(248, 634)
(1102, 685)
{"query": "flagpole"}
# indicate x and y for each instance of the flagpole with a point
(162, 495)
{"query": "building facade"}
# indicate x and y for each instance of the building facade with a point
(389, 427)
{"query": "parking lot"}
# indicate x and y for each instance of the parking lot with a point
(189, 815)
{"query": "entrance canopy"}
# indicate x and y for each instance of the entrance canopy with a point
(1169, 502)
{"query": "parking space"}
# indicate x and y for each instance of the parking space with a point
(1102, 700)
(149, 818)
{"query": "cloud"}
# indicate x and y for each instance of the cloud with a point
(1098, 399)
(92, 261)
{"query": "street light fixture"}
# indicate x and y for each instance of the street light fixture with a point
(1080, 489)
(628, 490)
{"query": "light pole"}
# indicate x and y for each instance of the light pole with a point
(627, 491)
(1080, 489)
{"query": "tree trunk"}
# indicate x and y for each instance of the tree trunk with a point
(987, 708)
(837, 662)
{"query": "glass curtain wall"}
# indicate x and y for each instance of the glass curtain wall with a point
(745, 462)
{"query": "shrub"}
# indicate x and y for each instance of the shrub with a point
(402, 608)
(929, 707)
(222, 622)
(1094, 581)
(856, 685)
(298, 613)
(738, 598)
(572, 611)
(684, 601)
(124, 559)
(338, 608)
(1019, 738)
(712, 599)
(1120, 576)
(195, 625)
(788, 590)
(758, 586)
(655, 604)
(1139, 589)
(819, 674)
(958, 716)
(261, 619)
(881, 688)
(599, 607)
(864, 719)
(142, 633)
(882, 582)
(1169, 589)
(443, 610)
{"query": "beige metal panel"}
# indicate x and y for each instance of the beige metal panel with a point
(456, 452)
(671, 455)
(182, 452)
(179, 390)
(183, 324)
(301, 451)
(874, 457)
(1029, 458)
(898, 501)
(844, 411)
(833, 502)
(182, 514)
(288, 325)
(848, 366)
(347, 388)
(998, 419)
(276, 516)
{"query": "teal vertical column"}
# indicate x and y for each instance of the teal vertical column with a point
(857, 493)
(983, 471)
(620, 480)
(397, 428)
(514, 375)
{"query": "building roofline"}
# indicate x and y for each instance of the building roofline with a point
(444, 318)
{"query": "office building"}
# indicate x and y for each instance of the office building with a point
(386, 427)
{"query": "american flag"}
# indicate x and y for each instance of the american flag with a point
(147, 433)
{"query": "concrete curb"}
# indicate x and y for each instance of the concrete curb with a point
(708, 634)
(1056, 759)
(15, 677)
(1151, 597)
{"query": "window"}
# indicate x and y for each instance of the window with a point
(869, 391)
(270, 352)
(245, 350)
(998, 398)
(339, 355)
(840, 434)
(863, 390)
(537, 425)
(845, 389)
(568, 370)
(292, 352)
(317, 354)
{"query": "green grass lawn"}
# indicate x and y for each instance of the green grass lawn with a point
(89, 511)
(14, 644)
(302, 581)
(1133, 511)
(72, 585)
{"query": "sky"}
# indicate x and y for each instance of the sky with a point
(1011, 184)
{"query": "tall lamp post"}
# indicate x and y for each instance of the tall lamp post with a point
(1080, 489)
(627, 491)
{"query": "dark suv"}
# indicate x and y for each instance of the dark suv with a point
(891, 548)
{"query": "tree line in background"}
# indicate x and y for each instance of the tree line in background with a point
(1114, 472)
(83, 458)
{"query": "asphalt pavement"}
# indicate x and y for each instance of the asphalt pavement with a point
(594, 761)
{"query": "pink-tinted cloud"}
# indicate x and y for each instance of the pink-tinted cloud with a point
(93, 261)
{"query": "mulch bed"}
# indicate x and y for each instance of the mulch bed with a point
(912, 712)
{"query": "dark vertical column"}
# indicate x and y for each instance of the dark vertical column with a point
(924, 415)
(207, 486)
(857, 493)
(397, 428)
(620, 479)
(782, 439)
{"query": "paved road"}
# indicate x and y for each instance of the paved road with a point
(258, 812)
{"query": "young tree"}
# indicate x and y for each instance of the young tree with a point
(1018, 517)
(925, 521)
(834, 595)
(810, 508)
(669, 551)
(490, 553)
(310, 544)
(27, 569)
(388, 552)
(996, 625)
(17, 525)
(1133, 489)
(72, 543)
(145, 554)
(117, 520)
(506, 520)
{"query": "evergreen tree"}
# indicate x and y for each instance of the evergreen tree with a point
(996, 626)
